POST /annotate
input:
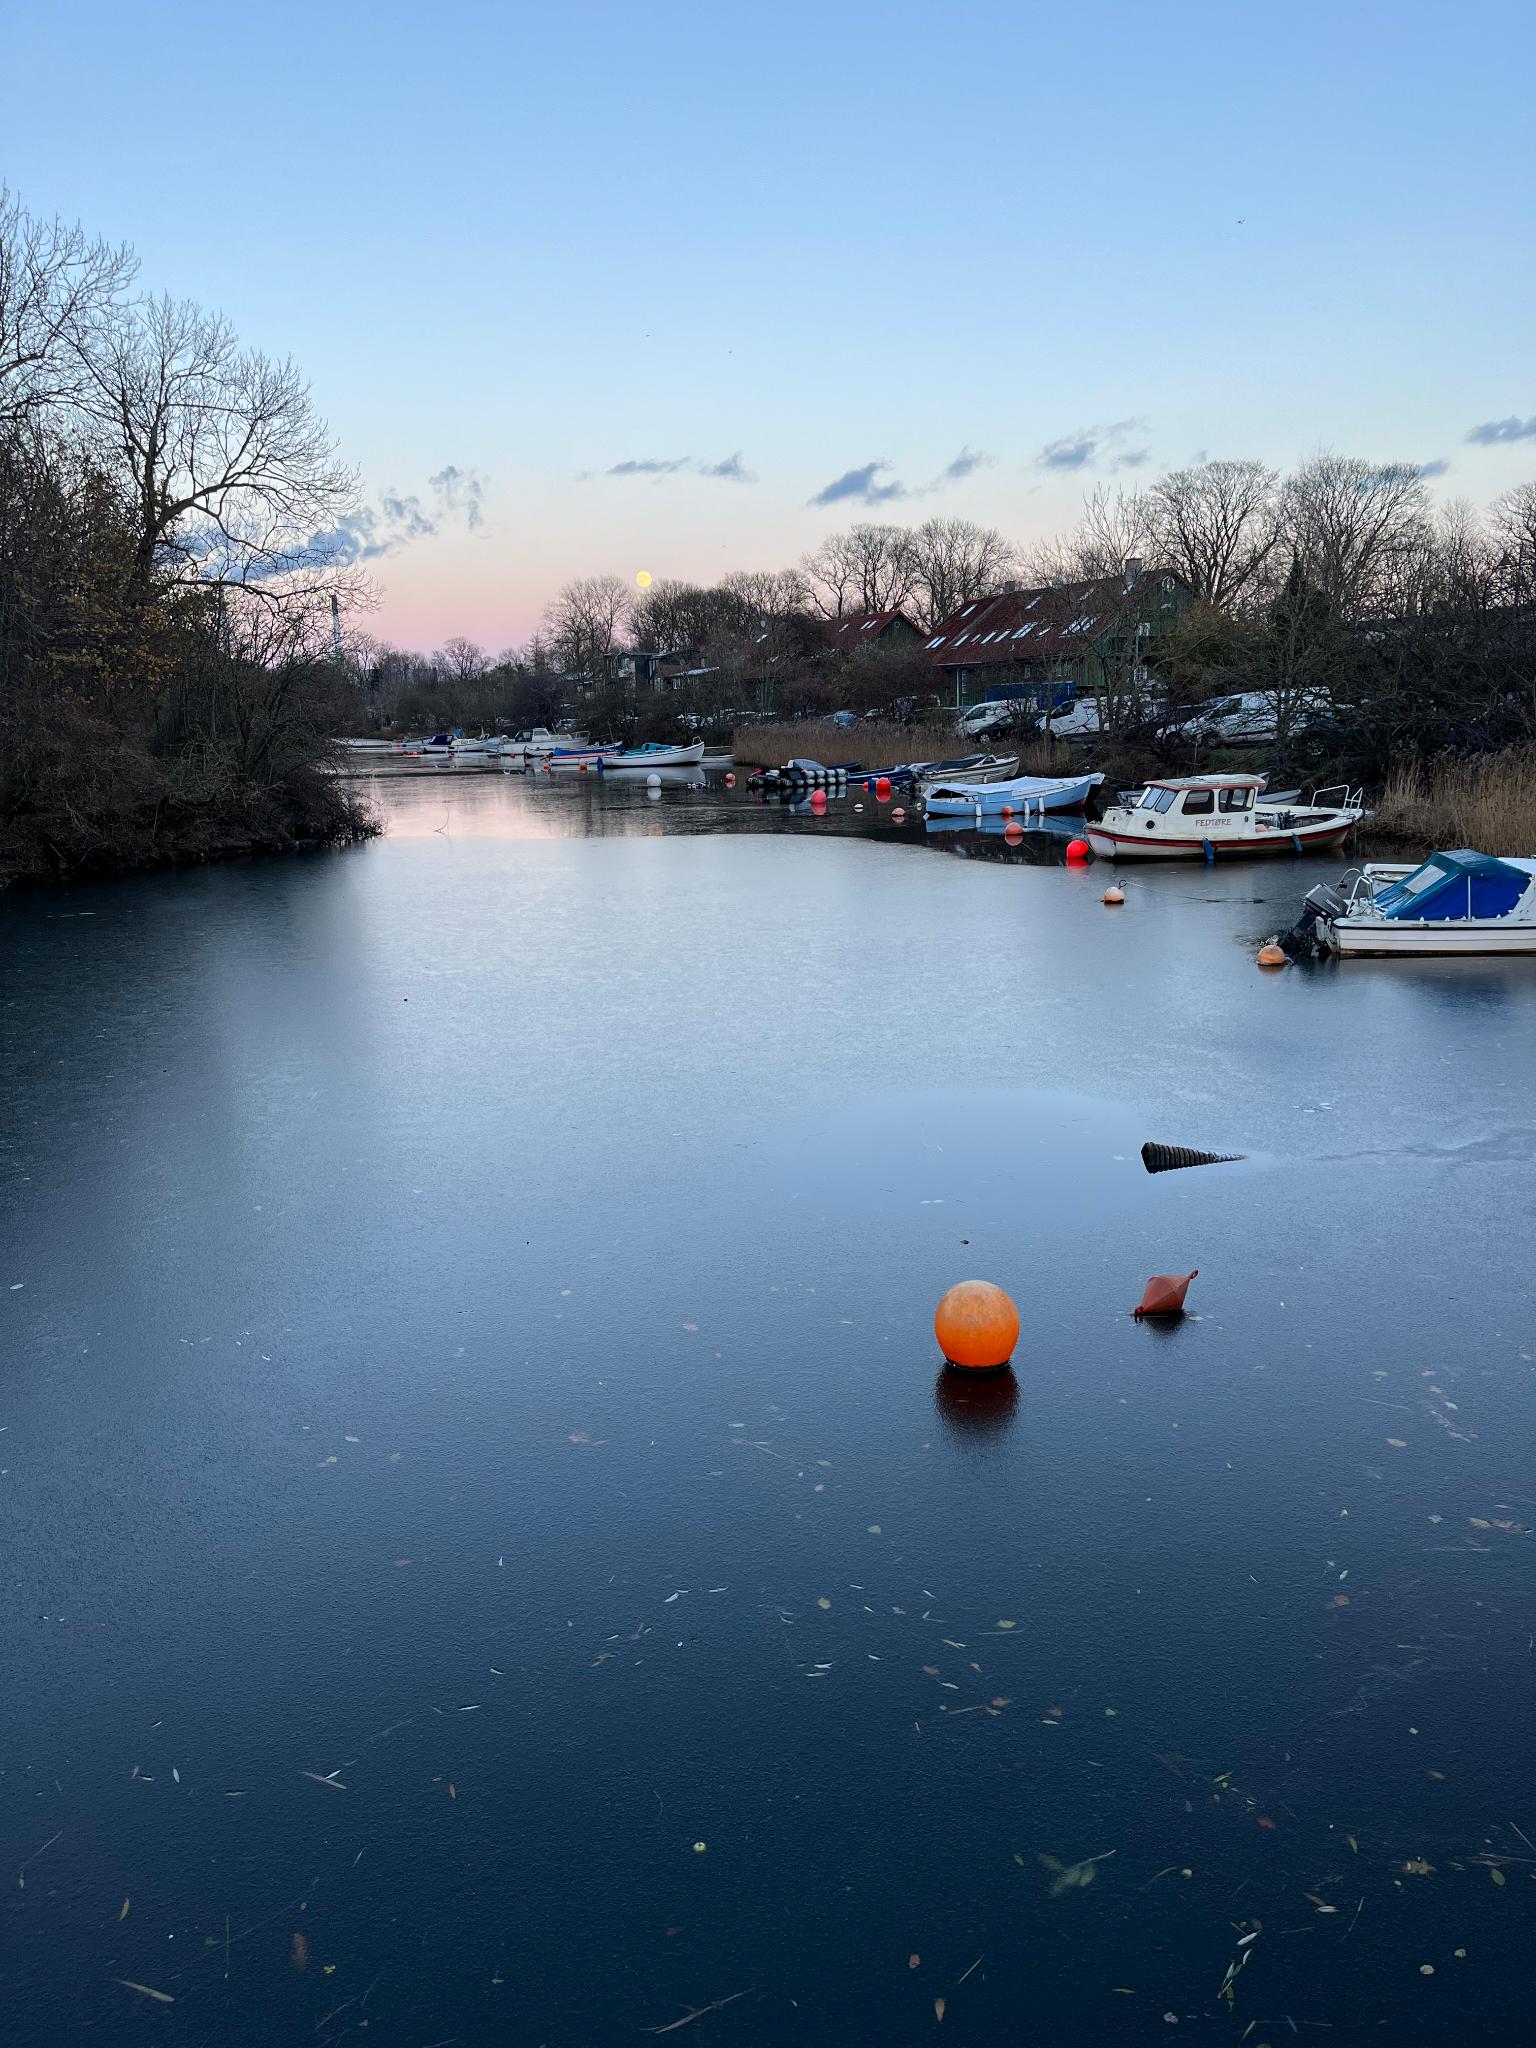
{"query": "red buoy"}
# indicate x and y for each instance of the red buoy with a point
(1007, 810)
(1078, 849)
(883, 789)
(1165, 1294)
(730, 782)
(1013, 832)
(818, 800)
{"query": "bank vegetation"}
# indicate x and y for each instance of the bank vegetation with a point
(167, 676)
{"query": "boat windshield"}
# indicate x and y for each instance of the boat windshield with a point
(1156, 799)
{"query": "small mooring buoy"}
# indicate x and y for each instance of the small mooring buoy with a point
(1271, 956)
(1165, 1294)
(1114, 894)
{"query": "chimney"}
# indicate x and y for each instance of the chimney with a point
(1132, 570)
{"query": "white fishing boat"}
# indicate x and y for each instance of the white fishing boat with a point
(1222, 817)
(535, 742)
(1024, 795)
(654, 755)
(1451, 903)
(369, 746)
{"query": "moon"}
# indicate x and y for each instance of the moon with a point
(644, 579)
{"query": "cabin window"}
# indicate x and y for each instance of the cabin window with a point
(1197, 802)
(1236, 799)
(1160, 799)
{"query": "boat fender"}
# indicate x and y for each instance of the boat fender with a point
(1210, 852)
(1296, 841)
(1158, 1158)
(1165, 1294)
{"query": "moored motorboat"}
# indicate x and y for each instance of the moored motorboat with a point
(1023, 795)
(369, 746)
(1452, 903)
(533, 743)
(1222, 817)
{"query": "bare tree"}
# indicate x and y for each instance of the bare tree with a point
(956, 561)
(1513, 528)
(583, 621)
(58, 290)
(461, 660)
(1217, 527)
(1115, 527)
(1352, 525)
(871, 568)
(771, 593)
(233, 474)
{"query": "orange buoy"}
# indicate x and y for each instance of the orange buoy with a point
(1271, 956)
(1007, 810)
(977, 1326)
(1078, 849)
(1114, 894)
(898, 816)
(730, 781)
(818, 800)
(883, 788)
(1165, 1294)
(1013, 831)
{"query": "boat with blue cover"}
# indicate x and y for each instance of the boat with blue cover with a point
(1461, 902)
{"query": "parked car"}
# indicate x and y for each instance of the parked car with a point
(1078, 721)
(996, 715)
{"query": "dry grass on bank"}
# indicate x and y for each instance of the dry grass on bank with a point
(1487, 803)
(876, 745)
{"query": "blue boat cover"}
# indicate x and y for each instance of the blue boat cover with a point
(1455, 887)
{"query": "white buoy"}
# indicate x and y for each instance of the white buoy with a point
(653, 781)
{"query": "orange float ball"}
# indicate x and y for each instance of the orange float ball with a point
(977, 1325)
(1078, 849)
(883, 788)
(1007, 810)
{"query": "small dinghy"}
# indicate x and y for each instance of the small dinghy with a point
(654, 755)
(1023, 795)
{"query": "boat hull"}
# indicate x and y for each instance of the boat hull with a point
(1389, 938)
(1116, 845)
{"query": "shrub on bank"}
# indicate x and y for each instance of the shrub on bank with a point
(78, 798)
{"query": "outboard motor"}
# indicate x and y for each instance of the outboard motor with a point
(1323, 901)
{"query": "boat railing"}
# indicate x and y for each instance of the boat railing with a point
(1338, 797)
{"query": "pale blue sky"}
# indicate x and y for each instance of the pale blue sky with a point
(538, 242)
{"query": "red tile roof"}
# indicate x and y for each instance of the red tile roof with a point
(854, 628)
(1055, 623)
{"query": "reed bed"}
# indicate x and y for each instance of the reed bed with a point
(877, 745)
(1487, 802)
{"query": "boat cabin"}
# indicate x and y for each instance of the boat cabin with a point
(1460, 885)
(1190, 808)
(1201, 796)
